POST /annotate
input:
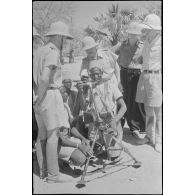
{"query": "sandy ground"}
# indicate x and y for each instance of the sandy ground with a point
(120, 179)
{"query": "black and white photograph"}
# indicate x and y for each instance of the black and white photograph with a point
(97, 100)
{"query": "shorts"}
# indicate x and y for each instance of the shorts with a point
(52, 111)
(149, 90)
(66, 152)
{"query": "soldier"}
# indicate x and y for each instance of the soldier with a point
(49, 108)
(149, 89)
(130, 60)
(37, 42)
(108, 98)
(110, 66)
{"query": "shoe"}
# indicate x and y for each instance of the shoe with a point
(137, 134)
(61, 178)
(142, 141)
(158, 147)
(42, 174)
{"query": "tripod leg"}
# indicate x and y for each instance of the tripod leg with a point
(82, 181)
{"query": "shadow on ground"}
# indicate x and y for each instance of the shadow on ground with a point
(128, 137)
(64, 168)
(67, 169)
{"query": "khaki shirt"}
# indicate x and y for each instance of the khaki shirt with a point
(46, 56)
(152, 54)
(109, 94)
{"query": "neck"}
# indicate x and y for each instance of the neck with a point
(56, 42)
(152, 37)
(132, 41)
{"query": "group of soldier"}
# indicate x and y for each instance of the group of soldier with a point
(126, 86)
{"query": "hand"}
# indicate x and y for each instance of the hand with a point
(35, 98)
(85, 141)
(79, 86)
(113, 124)
(36, 109)
(120, 87)
(86, 150)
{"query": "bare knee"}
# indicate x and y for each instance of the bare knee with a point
(78, 158)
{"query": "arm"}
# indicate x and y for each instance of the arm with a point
(50, 65)
(84, 147)
(116, 66)
(137, 58)
(116, 47)
(83, 103)
(48, 73)
(65, 141)
(122, 109)
(75, 133)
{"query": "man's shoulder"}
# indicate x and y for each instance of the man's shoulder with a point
(50, 48)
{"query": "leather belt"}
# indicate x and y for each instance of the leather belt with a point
(52, 88)
(130, 69)
(152, 71)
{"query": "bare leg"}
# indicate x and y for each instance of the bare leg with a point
(52, 153)
(41, 146)
(150, 123)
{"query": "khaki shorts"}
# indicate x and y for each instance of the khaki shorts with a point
(149, 90)
(52, 111)
(66, 152)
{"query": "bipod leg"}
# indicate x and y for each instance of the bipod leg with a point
(137, 163)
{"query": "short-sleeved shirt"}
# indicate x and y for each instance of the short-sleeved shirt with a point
(44, 57)
(109, 93)
(130, 56)
(152, 54)
(109, 62)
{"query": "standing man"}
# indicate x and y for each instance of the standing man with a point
(111, 69)
(149, 89)
(49, 108)
(37, 42)
(130, 60)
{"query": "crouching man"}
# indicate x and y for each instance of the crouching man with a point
(72, 145)
(106, 97)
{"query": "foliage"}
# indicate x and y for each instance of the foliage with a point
(116, 20)
(46, 12)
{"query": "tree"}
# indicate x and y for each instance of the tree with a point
(115, 20)
(46, 12)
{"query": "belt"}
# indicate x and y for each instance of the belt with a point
(52, 88)
(152, 71)
(130, 69)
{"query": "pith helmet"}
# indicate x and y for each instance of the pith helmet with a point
(59, 28)
(152, 21)
(134, 28)
(84, 73)
(88, 43)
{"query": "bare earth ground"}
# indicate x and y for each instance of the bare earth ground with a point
(121, 179)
